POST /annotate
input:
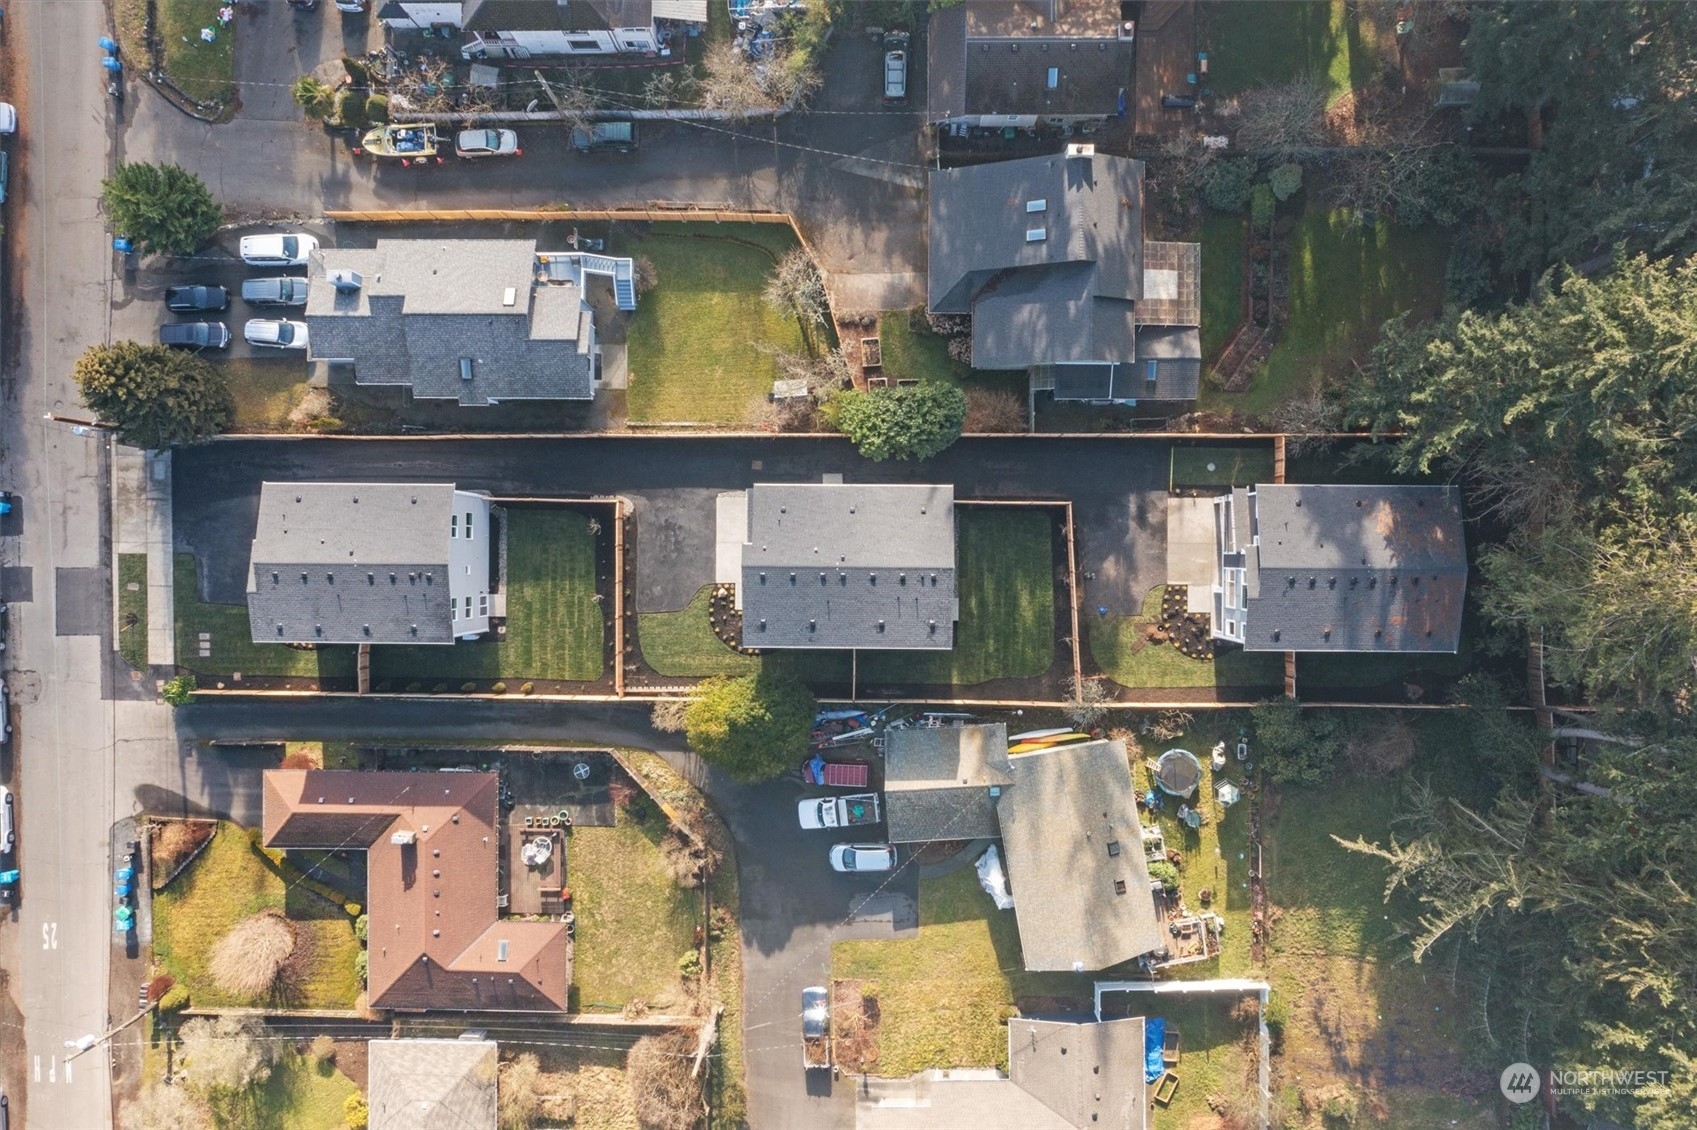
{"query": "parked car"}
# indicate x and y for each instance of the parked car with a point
(816, 1028)
(5, 173)
(273, 334)
(350, 7)
(1177, 102)
(278, 249)
(610, 137)
(187, 299)
(486, 143)
(863, 857)
(8, 830)
(304, 5)
(284, 290)
(839, 812)
(8, 118)
(195, 335)
(895, 67)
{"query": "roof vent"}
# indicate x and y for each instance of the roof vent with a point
(1036, 235)
(813, 625)
(1119, 889)
(880, 625)
(345, 281)
(510, 296)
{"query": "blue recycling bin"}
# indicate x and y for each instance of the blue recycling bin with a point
(124, 874)
(108, 46)
(122, 243)
(111, 64)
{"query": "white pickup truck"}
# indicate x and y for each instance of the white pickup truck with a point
(855, 810)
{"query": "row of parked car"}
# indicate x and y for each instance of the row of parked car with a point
(271, 250)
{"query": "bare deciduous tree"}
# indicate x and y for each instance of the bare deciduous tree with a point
(668, 715)
(666, 1095)
(247, 960)
(1285, 121)
(994, 410)
(165, 1108)
(226, 1055)
(1088, 704)
(796, 287)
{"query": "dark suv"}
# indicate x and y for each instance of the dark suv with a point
(187, 299)
(195, 335)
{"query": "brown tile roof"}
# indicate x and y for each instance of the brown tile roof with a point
(435, 937)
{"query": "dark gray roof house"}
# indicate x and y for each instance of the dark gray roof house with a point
(359, 563)
(1024, 62)
(1047, 256)
(1062, 1073)
(941, 783)
(849, 565)
(479, 321)
(1305, 567)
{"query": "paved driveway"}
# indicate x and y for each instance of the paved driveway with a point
(849, 173)
(1117, 486)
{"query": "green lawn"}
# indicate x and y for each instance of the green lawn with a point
(233, 649)
(1220, 465)
(302, 1095)
(943, 994)
(1223, 241)
(229, 882)
(1253, 43)
(205, 71)
(555, 627)
(1345, 282)
(1118, 646)
(691, 341)
(633, 922)
(682, 644)
(132, 609)
(266, 390)
(1006, 628)
(1215, 1060)
(917, 353)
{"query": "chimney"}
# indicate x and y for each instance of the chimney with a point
(1081, 150)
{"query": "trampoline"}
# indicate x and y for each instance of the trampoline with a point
(1177, 772)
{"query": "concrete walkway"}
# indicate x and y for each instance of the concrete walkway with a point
(141, 523)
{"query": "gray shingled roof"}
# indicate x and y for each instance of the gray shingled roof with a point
(1090, 1072)
(423, 305)
(1073, 294)
(351, 563)
(945, 64)
(1356, 568)
(937, 781)
(1004, 77)
(432, 1084)
(1167, 366)
(838, 565)
(1070, 829)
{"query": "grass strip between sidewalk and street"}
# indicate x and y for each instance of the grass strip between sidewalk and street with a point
(132, 609)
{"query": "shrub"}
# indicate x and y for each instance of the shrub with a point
(350, 108)
(1286, 180)
(1164, 873)
(689, 965)
(247, 960)
(439, 688)
(377, 108)
(1226, 184)
(516, 1097)
(361, 966)
(323, 1048)
(499, 688)
(1261, 206)
(901, 423)
(467, 687)
(666, 1095)
(299, 760)
(176, 999)
(1296, 746)
(362, 927)
(315, 98)
(527, 688)
(414, 688)
(994, 410)
(354, 910)
(355, 1112)
(179, 691)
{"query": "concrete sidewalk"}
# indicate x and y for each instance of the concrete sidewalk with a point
(141, 523)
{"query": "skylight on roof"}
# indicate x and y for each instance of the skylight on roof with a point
(1041, 204)
(1036, 235)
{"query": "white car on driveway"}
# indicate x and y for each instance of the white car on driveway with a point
(486, 143)
(863, 857)
(273, 334)
(278, 249)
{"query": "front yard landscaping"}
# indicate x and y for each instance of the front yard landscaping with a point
(701, 339)
(633, 921)
(556, 627)
(942, 996)
(266, 390)
(231, 881)
(1345, 281)
(302, 1094)
(231, 642)
(681, 644)
(1121, 648)
(1223, 243)
(1214, 466)
(205, 71)
(132, 609)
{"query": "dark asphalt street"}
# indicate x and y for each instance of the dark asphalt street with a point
(793, 905)
(1117, 487)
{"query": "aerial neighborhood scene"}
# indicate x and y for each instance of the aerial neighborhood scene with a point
(848, 564)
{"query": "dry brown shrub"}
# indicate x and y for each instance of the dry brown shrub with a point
(667, 1097)
(298, 760)
(323, 1048)
(247, 960)
(315, 404)
(668, 715)
(994, 410)
(173, 842)
(688, 861)
(516, 1095)
(1383, 747)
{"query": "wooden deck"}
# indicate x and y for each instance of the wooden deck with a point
(1166, 53)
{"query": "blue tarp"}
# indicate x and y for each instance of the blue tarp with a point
(1154, 1039)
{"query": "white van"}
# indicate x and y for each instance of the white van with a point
(8, 836)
